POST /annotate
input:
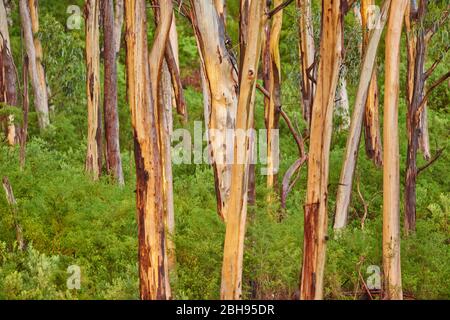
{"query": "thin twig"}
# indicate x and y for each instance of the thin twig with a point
(429, 91)
(432, 160)
(436, 63)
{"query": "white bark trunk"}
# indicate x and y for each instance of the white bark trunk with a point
(351, 151)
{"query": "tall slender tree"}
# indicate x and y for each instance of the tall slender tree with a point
(272, 110)
(231, 287)
(8, 77)
(118, 24)
(111, 117)
(307, 58)
(315, 221)
(221, 88)
(36, 75)
(153, 262)
(160, 91)
(371, 114)
(417, 96)
(94, 139)
(33, 5)
(351, 151)
(391, 170)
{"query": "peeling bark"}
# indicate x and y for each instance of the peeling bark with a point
(33, 6)
(94, 143)
(25, 109)
(37, 82)
(113, 158)
(371, 116)
(236, 213)
(222, 86)
(272, 110)
(8, 77)
(315, 229)
(163, 19)
(153, 266)
(415, 118)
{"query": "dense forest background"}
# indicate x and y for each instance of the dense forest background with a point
(67, 219)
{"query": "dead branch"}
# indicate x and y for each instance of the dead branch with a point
(429, 91)
(436, 63)
(432, 160)
(274, 11)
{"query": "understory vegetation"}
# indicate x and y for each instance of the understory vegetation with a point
(67, 219)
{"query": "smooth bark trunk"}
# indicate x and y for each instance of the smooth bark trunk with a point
(391, 170)
(307, 52)
(351, 151)
(118, 24)
(37, 82)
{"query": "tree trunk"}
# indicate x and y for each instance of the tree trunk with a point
(342, 105)
(173, 63)
(391, 172)
(13, 204)
(113, 158)
(153, 266)
(307, 52)
(222, 86)
(251, 194)
(272, 112)
(371, 117)
(411, 38)
(118, 24)
(416, 88)
(25, 109)
(36, 75)
(231, 287)
(94, 143)
(165, 100)
(33, 5)
(163, 18)
(354, 137)
(8, 77)
(315, 222)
